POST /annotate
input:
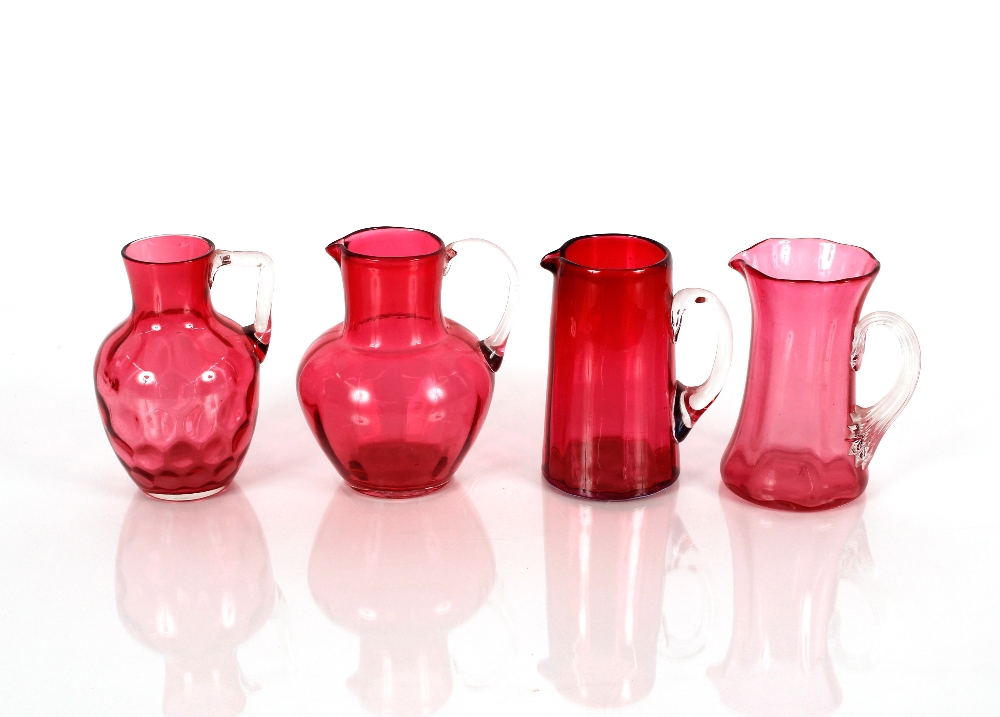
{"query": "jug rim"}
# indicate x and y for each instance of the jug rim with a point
(343, 244)
(738, 257)
(664, 261)
(210, 249)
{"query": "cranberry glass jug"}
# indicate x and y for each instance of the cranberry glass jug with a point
(615, 412)
(176, 381)
(397, 393)
(801, 442)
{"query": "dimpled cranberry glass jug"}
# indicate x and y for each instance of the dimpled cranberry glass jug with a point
(615, 412)
(176, 381)
(397, 393)
(801, 442)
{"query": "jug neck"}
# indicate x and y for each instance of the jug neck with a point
(392, 302)
(170, 288)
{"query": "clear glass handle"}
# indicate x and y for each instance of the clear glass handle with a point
(259, 332)
(691, 402)
(493, 345)
(868, 425)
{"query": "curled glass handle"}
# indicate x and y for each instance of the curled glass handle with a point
(259, 332)
(868, 425)
(493, 345)
(690, 402)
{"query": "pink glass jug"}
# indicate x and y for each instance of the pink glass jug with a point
(801, 442)
(177, 381)
(397, 393)
(615, 412)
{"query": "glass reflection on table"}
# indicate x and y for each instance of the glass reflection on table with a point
(401, 574)
(787, 567)
(193, 582)
(606, 567)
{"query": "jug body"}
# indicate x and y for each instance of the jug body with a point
(799, 443)
(615, 413)
(177, 382)
(397, 393)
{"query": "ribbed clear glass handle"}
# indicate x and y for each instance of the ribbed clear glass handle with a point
(868, 425)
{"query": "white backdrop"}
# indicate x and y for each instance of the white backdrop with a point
(281, 127)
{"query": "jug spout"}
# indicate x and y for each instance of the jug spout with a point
(335, 249)
(739, 264)
(551, 261)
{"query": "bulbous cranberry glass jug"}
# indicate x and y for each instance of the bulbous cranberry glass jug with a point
(177, 381)
(801, 442)
(615, 413)
(397, 393)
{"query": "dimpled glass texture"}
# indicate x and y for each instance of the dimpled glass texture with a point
(397, 393)
(176, 381)
(610, 424)
(794, 445)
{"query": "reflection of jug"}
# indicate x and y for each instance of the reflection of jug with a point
(401, 574)
(193, 582)
(397, 393)
(605, 567)
(801, 441)
(786, 571)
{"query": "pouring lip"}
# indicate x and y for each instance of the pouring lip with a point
(739, 263)
(342, 243)
(666, 260)
(210, 249)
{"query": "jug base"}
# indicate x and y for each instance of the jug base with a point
(393, 494)
(607, 495)
(179, 497)
(788, 505)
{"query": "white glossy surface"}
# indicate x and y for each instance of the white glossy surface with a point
(280, 128)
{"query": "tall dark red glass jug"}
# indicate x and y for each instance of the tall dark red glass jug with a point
(397, 393)
(177, 381)
(801, 442)
(615, 412)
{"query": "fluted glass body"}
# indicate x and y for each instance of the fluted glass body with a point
(615, 413)
(397, 393)
(801, 441)
(176, 381)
